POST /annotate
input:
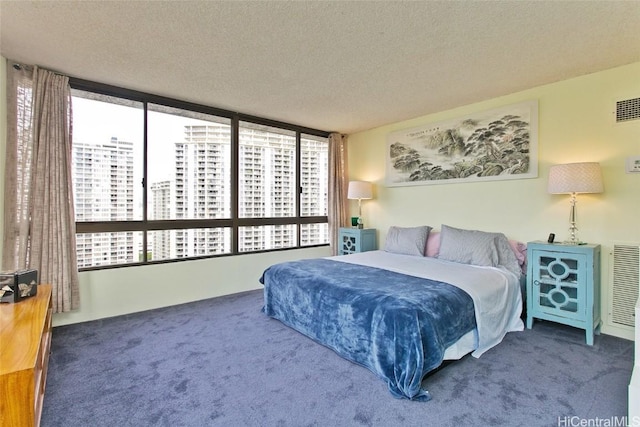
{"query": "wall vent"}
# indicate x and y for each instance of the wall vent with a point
(626, 281)
(628, 109)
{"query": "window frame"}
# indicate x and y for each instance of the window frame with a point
(235, 221)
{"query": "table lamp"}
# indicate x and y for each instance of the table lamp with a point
(574, 178)
(361, 190)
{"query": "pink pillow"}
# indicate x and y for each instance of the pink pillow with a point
(520, 249)
(433, 244)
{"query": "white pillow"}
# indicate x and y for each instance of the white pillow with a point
(407, 240)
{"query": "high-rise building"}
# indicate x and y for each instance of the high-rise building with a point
(267, 188)
(160, 240)
(314, 178)
(201, 189)
(103, 191)
(267, 162)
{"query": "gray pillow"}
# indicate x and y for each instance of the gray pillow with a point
(407, 240)
(477, 248)
(468, 246)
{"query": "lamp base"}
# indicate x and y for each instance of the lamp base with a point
(573, 230)
(573, 243)
(360, 223)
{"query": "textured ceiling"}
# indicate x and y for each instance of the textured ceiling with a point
(338, 66)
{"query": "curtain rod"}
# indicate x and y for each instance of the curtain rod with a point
(17, 66)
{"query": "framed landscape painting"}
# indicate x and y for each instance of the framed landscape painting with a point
(497, 144)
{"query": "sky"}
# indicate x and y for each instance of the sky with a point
(97, 122)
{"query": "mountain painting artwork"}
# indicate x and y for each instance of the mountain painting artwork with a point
(496, 144)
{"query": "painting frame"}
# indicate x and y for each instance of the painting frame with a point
(490, 145)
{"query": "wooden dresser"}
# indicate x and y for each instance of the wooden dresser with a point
(25, 342)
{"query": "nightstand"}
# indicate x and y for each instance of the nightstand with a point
(563, 285)
(352, 240)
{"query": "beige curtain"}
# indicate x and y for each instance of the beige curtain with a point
(338, 214)
(39, 221)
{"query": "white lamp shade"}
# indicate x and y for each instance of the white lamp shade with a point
(360, 190)
(575, 178)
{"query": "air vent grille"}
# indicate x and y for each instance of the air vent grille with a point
(628, 109)
(626, 279)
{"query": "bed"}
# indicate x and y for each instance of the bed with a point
(398, 312)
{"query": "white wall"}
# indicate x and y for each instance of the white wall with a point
(576, 123)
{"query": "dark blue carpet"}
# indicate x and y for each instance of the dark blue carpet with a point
(222, 362)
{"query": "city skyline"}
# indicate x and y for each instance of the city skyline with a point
(209, 157)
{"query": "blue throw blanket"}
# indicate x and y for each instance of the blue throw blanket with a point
(397, 326)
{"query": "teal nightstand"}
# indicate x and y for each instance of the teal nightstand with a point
(352, 240)
(563, 285)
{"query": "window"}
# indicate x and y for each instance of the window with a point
(157, 179)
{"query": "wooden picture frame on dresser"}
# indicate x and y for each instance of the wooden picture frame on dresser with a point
(25, 334)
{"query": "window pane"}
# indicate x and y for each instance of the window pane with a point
(265, 237)
(314, 175)
(107, 157)
(314, 234)
(189, 170)
(172, 244)
(267, 172)
(95, 249)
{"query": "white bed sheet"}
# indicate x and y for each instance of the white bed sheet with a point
(495, 293)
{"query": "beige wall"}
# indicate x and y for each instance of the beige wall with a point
(576, 123)
(106, 293)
